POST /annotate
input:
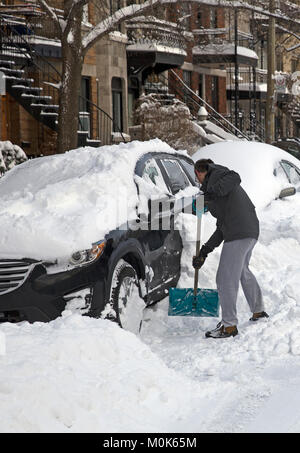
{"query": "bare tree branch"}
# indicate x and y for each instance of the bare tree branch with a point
(107, 25)
(75, 7)
(51, 14)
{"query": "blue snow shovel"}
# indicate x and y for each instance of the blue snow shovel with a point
(194, 301)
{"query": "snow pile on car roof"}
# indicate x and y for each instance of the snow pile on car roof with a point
(78, 374)
(55, 205)
(255, 163)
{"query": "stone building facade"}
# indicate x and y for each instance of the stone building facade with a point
(139, 57)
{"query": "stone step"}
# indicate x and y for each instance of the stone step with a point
(43, 113)
(36, 97)
(18, 80)
(43, 106)
(10, 71)
(27, 89)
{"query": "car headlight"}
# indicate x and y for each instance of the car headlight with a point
(87, 256)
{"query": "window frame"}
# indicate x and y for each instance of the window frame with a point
(117, 93)
(159, 168)
(164, 170)
(286, 162)
(191, 177)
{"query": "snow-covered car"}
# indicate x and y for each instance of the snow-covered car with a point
(267, 172)
(76, 231)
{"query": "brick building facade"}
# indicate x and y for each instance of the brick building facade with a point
(121, 67)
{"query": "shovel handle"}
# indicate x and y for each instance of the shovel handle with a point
(199, 218)
(196, 282)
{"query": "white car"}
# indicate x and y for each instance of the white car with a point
(265, 170)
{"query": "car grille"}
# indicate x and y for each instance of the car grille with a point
(13, 274)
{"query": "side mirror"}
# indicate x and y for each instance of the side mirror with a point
(287, 192)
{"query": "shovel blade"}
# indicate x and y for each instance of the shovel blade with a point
(182, 302)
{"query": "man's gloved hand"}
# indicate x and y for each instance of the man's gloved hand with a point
(199, 260)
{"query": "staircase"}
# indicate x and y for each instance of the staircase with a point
(218, 126)
(22, 89)
(26, 78)
(34, 83)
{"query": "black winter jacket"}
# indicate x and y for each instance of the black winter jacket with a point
(227, 201)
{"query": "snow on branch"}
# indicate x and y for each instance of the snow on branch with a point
(107, 25)
(50, 12)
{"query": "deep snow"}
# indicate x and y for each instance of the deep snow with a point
(78, 374)
(256, 374)
(64, 203)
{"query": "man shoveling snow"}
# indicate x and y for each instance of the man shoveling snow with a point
(238, 227)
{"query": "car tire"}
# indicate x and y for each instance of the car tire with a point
(125, 298)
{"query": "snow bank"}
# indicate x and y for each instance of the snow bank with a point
(10, 155)
(55, 205)
(78, 374)
(255, 163)
(256, 375)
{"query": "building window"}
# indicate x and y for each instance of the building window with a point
(115, 5)
(215, 92)
(186, 16)
(84, 105)
(187, 78)
(213, 18)
(279, 61)
(294, 65)
(199, 18)
(201, 86)
(117, 104)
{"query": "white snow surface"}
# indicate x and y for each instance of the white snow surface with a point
(78, 374)
(63, 203)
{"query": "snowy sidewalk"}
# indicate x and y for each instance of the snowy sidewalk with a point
(78, 374)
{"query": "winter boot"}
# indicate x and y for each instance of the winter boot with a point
(257, 316)
(222, 332)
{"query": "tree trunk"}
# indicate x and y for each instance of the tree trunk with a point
(70, 87)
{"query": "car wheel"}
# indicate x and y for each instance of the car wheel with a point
(125, 297)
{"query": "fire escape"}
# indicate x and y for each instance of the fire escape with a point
(30, 65)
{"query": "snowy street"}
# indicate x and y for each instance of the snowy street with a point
(149, 220)
(248, 383)
(79, 374)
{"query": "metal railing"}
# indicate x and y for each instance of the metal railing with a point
(16, 47)
(177, 86)
(150, 30)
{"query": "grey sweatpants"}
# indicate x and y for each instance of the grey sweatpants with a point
(233, 269)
